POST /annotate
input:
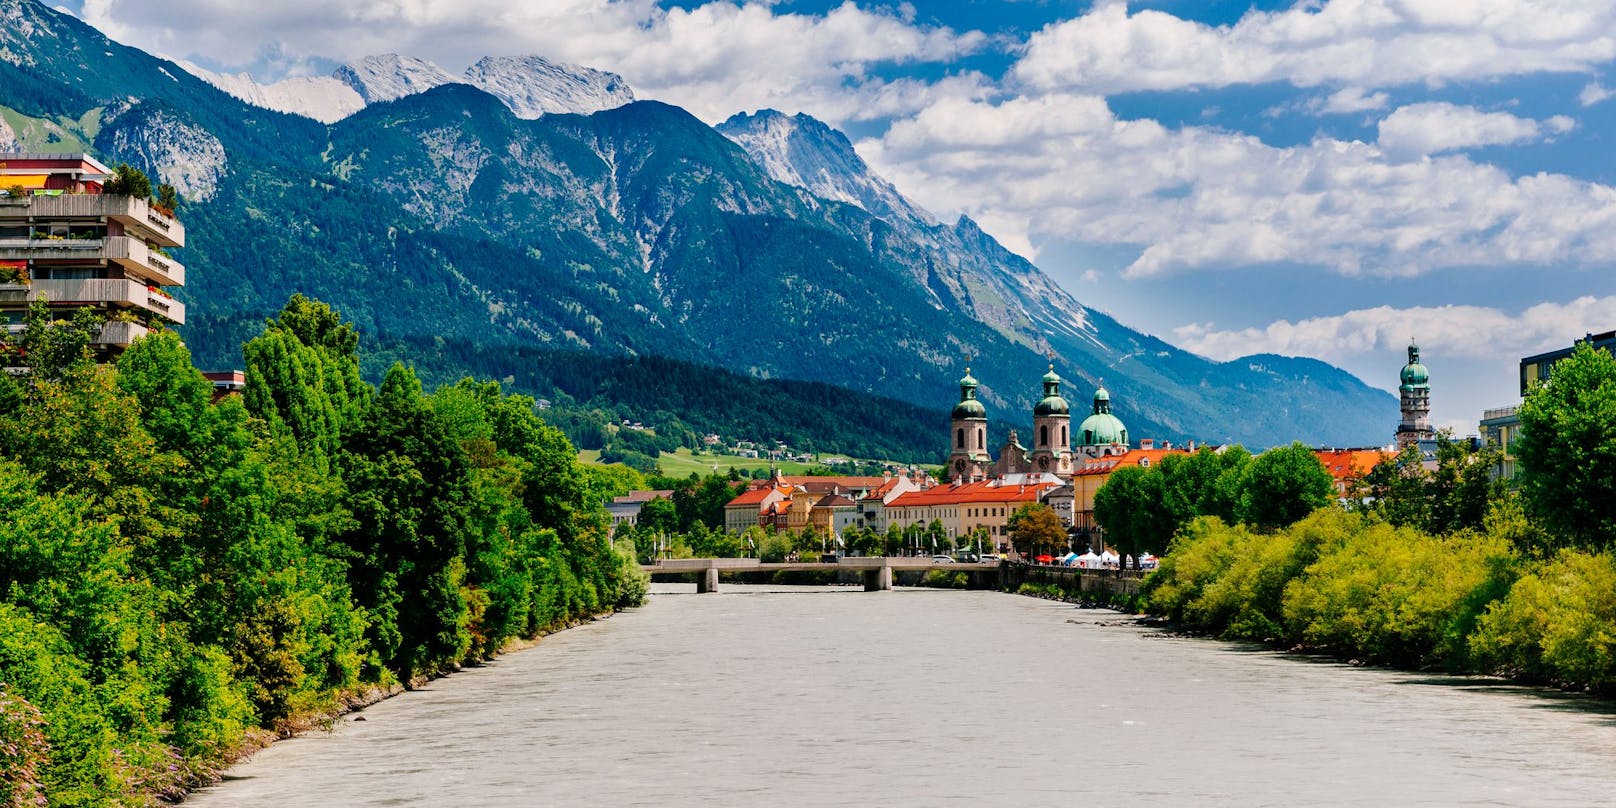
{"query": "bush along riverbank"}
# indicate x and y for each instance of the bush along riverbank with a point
(1430, 563)
(182, 581)
(1354, 586)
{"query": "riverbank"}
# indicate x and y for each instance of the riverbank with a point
(351, 704)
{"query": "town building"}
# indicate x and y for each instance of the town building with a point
(625, 510)
(1535, 370)
(1348, 466)
(1415, 397)
(1501, 426)
(64, 241)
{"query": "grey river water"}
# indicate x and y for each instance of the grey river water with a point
(762, 696)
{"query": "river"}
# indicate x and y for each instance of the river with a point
(765, 696)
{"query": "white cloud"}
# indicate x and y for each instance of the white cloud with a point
(1475, 332)
(1364, 43)
(1064, 166)
(1592, 94)
(1433, 128)
(1349, 100)
(713, 59)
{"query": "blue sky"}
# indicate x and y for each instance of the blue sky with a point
(1326, 178)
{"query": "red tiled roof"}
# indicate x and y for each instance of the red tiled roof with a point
(1349, 464)
(755, 496)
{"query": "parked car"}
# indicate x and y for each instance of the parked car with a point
(942, 559)
(990, 558)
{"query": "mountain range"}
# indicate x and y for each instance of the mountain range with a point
(529, 206)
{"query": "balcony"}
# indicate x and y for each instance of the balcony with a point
(121, 334)
(134, 254)
(120, 292)
(136, 214)
(1501, 412)
(127, 252)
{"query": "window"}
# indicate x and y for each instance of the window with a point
(979, 438)
(1064, 441)
(1043, 436)
(959, 438)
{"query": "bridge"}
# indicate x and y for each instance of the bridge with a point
(877, 569)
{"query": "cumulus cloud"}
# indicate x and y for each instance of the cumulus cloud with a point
(713, 59)
(1348, 100)
(1363, 43)
(1593, 93)
(1064, 166)
(1457, 331)
(1433, 128)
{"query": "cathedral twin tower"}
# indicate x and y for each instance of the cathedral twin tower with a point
(1099, 435)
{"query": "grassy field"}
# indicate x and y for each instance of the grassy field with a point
(683, 462)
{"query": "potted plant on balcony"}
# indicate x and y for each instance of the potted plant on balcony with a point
(13, 276)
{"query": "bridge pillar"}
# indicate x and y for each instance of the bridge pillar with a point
(707, 581)
(878, 579)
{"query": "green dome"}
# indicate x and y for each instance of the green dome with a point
(1101, 395)
(1414, 374)
(1101, 429)
(1052, 403)
(970, 408)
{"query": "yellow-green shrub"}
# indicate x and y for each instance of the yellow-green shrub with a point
(1557, 624)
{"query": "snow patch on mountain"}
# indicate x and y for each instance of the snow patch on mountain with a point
(802, 151)
(327, 99)
(390, 76)
(532, 86)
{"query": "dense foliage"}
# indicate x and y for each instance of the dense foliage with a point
(180, 578)
(1438, 566)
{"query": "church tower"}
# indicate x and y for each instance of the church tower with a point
(1415, 392)
(1051, 427)
(968, 435)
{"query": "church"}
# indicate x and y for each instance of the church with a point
(1053, 452)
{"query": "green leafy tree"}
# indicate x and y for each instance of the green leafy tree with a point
(126, 180)
(1036, 529)
(407, 489)
(167, 198)
(1567, 450)
(1129, 509)
(302, 375)
(48, 345)
(1283, 485)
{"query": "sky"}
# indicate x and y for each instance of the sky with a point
(1325, 178)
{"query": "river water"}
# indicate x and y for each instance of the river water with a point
(764, 696)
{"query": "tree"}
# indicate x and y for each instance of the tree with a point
(1129, 510)
(303, 376)
(1283, 485)
(167, 198)
(408, 492)
(47, 345)
(1037, 529)
(128, 181)
(1567, 450)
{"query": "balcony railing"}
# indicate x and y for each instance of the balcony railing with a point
(123, 250)
(131, 212)
(108, 293)
(1501, 412)
(121, 334)
(134, 253)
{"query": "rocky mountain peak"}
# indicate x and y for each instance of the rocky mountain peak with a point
(533, 85)
(803, 151)
(390, 76)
